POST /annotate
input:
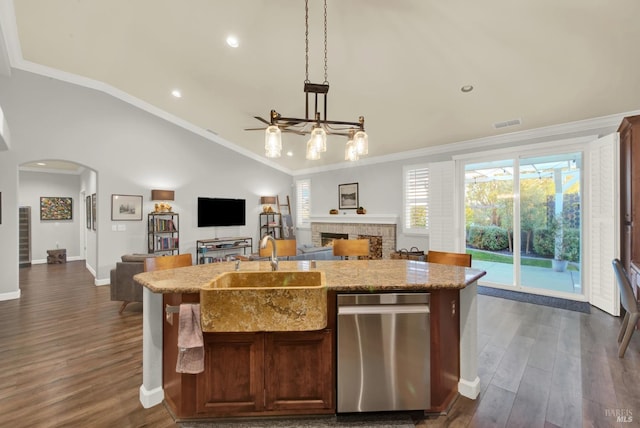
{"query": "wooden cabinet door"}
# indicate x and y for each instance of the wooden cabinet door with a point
(445, 348)
(233, 379)
(630, 190)
(298, 370)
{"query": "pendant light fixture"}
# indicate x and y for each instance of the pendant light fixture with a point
(317, 126)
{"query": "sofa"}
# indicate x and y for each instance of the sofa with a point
(123, 288)
(308, 252)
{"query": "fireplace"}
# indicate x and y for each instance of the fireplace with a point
(375, 246)
(380, 230)
(375, 243)
(326, 239)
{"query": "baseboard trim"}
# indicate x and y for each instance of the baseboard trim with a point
(469, 389)
(10, 296)
(151, 398)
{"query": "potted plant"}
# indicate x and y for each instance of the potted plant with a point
(559, 263)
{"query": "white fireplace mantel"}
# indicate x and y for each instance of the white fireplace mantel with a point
(356, 218)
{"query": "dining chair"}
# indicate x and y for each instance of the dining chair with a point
(167, 262)
(284, 247)
(350, 247)
(629, 303)
(444, 258)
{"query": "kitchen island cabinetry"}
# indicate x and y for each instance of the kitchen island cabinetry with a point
(293, 373)
(251, 374)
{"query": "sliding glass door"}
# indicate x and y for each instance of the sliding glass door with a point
(489, 218)
(523, 222)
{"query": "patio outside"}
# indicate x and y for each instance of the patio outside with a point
(547, 233)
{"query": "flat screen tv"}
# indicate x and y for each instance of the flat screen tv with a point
(221, 212)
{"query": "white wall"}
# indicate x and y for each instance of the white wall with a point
(131, 152)
(379, 190)
(48, 234)
(88, 238)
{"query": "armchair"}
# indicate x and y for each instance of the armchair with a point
(123, 288)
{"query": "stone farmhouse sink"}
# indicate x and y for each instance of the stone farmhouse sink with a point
(264, 301)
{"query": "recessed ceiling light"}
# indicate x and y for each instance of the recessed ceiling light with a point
(233, 41)
(289, 153)
(41, 163)
(467, 88)
(176, 93)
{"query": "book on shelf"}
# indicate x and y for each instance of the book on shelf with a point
(167, 243)
(164, 225)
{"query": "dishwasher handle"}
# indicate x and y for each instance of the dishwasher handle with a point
(382, 309)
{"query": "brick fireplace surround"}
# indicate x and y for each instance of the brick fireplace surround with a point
(355, 226)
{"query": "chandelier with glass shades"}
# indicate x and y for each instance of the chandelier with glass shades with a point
(316, 126)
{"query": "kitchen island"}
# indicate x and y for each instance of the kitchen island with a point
(454, 314)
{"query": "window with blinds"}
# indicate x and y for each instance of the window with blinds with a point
(416, 196)
(303, 202)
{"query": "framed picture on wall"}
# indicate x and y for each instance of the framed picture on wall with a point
(348, 196)
(94, 211)
(126, 207)
(87, 208)
(56, 208)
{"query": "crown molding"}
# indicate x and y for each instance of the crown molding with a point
(596, 126)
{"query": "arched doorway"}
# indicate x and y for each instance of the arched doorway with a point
(50, 181)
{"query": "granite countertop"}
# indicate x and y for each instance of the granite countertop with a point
(341, 275)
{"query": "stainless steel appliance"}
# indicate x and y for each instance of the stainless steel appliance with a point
(383, 352)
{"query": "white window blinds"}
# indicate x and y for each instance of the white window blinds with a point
(416, 196)
(303, 202)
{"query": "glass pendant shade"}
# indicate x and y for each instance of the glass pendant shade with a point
(361, 141)
(351, 152)
(319, 138)
(312, 150)
(273, 142)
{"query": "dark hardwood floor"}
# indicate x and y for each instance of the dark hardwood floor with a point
(548, 367)
(68, 359)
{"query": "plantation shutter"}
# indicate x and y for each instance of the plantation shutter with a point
(416, 192)
(303, 202)
(604, 228)
(441, 202)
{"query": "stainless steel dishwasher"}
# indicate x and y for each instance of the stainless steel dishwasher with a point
(383, 352)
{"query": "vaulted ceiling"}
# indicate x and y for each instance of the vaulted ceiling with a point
(401, 64)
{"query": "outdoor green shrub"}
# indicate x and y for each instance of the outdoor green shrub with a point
(544, 242)
(572, 244)
(491, 238)
(494, 238)
(475, 236)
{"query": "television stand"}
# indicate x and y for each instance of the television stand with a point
(222, 249)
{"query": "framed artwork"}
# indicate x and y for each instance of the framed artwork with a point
(94, 211)
(56, 208)
(126, 207)
(87, 209)
(348, 196)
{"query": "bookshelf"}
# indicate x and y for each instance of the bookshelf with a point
(163, 236)
(271, 224)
